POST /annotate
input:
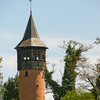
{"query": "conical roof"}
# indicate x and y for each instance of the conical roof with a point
(31, 37)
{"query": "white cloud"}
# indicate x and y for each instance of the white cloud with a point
(53, 42)
(9, 60)
(8, 35)
(9, 66)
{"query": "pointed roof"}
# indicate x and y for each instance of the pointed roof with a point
(31, 37)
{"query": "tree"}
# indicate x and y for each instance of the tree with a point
(78, 95)
(73, 55)
(90, 73)
(71, 58)
(11, 88)
(1, 80)
(92, 79)
(53, 85)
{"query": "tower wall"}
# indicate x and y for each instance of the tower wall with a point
(31, 58)
(31, 87)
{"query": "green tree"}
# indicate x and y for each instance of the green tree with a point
(97, 94)
(11, 88)
(73, 55)
(53, 85)
(1, 80)
(96, 91)
(96, 88)
(71, 58)
(78, 95)
(90, 79)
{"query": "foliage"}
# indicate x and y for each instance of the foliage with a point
(66, 91)
(96, 89)
(73, 54)
(54, 86)
(74, 95)
(1, 80)
(11, 89)
(98, 82)
(92, 79)
(71, 58)
(97, 41)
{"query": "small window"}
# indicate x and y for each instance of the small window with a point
(36, 57)
(24, 58)
(26, 74)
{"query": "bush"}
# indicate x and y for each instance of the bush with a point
(73, 95)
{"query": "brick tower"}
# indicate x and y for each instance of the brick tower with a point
(31, 61)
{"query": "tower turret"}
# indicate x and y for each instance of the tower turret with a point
(31, 50)
(31, 61)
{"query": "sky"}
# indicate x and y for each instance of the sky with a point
(56, 21)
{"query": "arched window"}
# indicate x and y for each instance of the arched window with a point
(26, 74)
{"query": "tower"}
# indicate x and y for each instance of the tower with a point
(31, 61)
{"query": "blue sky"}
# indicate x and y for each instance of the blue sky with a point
(56, 20)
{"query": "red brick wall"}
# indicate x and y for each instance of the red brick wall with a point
(31, 87)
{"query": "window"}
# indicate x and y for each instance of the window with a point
(24, 58)
(26, 74)
(36, 57)
(37, 85)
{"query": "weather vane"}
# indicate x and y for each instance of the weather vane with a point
(30, 6)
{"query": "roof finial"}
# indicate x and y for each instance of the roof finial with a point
(30, 6)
